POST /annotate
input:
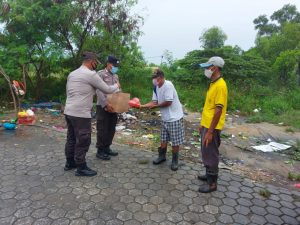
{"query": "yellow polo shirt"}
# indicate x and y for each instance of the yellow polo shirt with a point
(215, 96)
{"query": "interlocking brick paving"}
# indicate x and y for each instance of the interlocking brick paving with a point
(34, 189)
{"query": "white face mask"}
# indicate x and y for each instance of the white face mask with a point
(208, 73)
(154, 82)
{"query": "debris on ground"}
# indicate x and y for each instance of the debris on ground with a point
(54, 112)
(128, 117)
(26, 117)
(120, 127)
(9, 126)
(272, 147)
(141, 129)
(41, 105)
(256, 110)
(59, 128)
(297, 185)
(149, 136)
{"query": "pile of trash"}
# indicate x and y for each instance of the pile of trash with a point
(26, 117)
(128, 117)
(125, 119)
(53, 108)
(41, 105)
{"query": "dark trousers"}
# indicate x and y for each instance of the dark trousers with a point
(210, 154)
(106, 127)
(78, 138)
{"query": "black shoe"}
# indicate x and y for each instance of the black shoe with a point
(174, 165)
(202, 177)
(70, 164)
(84, 170)
(207, 188)
(161, 156)
(110, 152)
(101, 154)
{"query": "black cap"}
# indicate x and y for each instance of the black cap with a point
(158, 73)
(90, 56)
(113, 60)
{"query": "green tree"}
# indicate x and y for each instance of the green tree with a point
(264, 27)
(286, 65)
(280, 45)
(240, 67)
(50, 35)
(271, 47)
(213, 38)
(169, 60)
(25, 41)
(287, 14)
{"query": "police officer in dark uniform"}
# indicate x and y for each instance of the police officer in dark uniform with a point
(106, 117)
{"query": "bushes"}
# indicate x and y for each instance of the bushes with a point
(277, 103)
(137, 82)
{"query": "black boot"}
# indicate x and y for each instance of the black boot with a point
(211, 184)
(70, 164)
(110, 152)
(84, 170)
(161, 156)
(174, 165)
(101, 154)
(203, 177)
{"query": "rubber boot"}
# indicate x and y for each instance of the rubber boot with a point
(110, 152)
(203, 177)
(211, 184)
(174, 165)
(70, 164)
(161, 156)
(84, 170)
(101, 154)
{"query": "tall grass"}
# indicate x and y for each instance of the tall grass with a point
(276, 104)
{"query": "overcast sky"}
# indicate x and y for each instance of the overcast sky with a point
(176, 25)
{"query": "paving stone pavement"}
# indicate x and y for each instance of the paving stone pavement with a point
(34, 189)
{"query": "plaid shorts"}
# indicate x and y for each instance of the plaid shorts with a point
(173, 132)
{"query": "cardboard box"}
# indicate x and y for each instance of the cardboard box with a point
(119, 101)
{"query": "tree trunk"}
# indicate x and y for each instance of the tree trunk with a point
(11, 90)
(38, 86)
(299, 73)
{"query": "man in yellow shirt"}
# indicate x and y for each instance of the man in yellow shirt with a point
(212, 122)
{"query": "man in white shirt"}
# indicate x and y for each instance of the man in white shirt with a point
(172, 130)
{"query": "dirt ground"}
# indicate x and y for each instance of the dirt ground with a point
(141, 129)
(236, 151)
